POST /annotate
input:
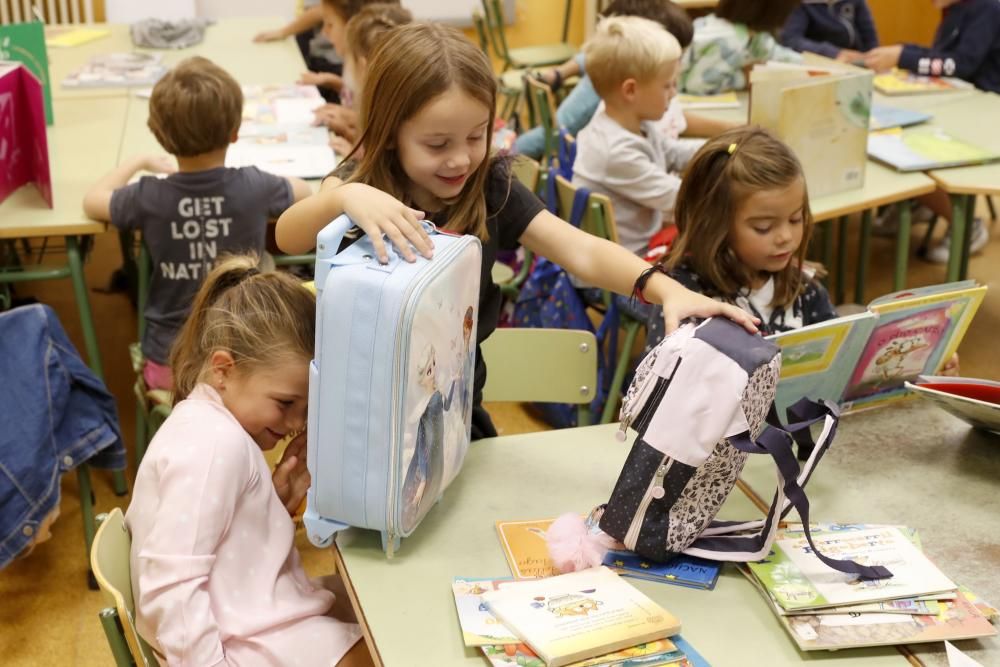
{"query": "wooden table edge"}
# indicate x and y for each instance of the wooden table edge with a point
(341, 569)
(875, 202)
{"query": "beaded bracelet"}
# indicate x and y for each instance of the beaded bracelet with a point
(640, 282)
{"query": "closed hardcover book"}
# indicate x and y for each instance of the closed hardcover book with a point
(925, 148)
(580, 615)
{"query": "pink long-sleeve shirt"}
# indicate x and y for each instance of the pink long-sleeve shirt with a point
(215, 573)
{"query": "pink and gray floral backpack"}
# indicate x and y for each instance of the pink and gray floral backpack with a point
(702, 402)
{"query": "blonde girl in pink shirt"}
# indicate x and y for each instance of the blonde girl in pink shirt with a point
(215, 573)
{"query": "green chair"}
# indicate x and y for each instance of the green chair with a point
(600, 221)
(510, 81)
(109, 559)
(543, 366)
(542, 111)
(152, 406)
(528, 56)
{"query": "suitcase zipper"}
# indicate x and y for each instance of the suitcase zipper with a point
(654, 491)
(396, 415)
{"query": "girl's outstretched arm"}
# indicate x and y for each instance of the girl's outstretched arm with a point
(610, 266)
(372, 210)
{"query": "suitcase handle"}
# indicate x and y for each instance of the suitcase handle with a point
(330, 237)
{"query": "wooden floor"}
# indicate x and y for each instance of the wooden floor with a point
(47, 614)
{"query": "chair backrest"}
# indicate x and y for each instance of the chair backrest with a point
(542, 365)
(495, 29)
(526, 170)
(479, 23)
(53, 11)
(600, 218)
(109, 559)
(542, 111)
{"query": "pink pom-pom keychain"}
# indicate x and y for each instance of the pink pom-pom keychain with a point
(576, 543)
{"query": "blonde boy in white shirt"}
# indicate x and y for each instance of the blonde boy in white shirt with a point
(633, 64)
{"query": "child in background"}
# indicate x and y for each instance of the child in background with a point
(580, 104)
(966, 46)
(202, 210)
(841, 29)
(215, 573)
(322, 60)
(427, 156)
(632, 63)
(729, 42)
(363, 33)
(744, 222)
(342, 118)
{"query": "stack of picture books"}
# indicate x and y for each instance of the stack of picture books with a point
(277, 134)
(863, 361)
(117, 70)
(527, 554)
(591, 618)
(821, 608)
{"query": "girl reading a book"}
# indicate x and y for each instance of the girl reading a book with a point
(744, 223)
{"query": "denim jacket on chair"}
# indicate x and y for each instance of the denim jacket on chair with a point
(55, 413)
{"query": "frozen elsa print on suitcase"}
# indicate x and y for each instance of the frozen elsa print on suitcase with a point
(390, 387)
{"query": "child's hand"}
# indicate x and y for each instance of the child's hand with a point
(341, 146)
(883, 58)
(336, 118)
(323, 79)
(378, 213)
(269, 36)
(291, 476)
(680, 303)
(159, 164)
(951, 368)
(850, 56)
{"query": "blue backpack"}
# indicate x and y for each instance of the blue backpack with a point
(548, 299)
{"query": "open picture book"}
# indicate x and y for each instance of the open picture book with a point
(277, 133)
(822, 111)
(864, 360)
(903, 82)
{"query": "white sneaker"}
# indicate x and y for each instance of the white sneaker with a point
(980, 237)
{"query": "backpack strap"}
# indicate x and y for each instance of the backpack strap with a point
(777, 443)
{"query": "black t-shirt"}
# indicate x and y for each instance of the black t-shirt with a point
(510, 206)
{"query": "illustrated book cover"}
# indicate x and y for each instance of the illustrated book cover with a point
(580, 615)
(864, 360)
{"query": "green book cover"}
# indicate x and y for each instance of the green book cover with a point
(25, 43)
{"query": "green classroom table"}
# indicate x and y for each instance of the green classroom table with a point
(406, 604)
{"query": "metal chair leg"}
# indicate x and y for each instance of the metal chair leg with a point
(614, 392)
(864, 247)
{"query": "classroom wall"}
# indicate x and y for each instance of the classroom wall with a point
(905, 21)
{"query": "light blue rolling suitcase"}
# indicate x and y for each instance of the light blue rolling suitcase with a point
(390, 389)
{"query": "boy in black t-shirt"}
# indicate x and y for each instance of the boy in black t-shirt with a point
(201, 210)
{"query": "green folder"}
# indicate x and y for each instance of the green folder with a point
(25, 43)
